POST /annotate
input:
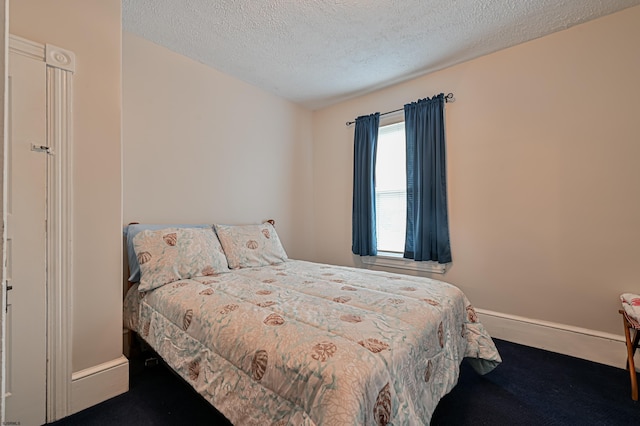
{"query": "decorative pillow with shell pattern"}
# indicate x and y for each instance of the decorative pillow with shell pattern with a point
(130, 232)
(248, 246)
(172, 254)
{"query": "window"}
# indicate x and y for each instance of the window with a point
(391, 202)
(391, 188)
(391, 224)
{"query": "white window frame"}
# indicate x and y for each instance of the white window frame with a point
(395, 260)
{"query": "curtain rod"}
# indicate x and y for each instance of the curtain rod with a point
(448, 98)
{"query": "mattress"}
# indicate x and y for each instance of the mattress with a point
(302, 343)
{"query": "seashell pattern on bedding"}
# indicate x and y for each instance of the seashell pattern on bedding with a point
(382, 408)
(374, 345)
(171, 239)
(259, 364)
(292, 349)
(144, 257)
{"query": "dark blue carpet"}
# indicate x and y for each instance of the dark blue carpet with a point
(536, 387)
(531, 387)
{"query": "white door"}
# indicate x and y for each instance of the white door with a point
(26, 243)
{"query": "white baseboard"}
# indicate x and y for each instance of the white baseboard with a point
(96, 384)
(592, 345)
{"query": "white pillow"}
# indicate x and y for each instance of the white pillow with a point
(248, 246)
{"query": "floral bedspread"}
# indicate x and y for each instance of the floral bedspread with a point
(303, 343)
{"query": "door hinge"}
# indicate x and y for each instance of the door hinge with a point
(41, 148)
(6, 299)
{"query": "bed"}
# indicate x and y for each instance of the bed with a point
(270, 340)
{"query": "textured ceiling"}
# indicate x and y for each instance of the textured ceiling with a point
(319, 52)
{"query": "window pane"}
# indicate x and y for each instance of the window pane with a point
(391, 194)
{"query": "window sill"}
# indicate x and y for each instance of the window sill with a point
(395, 260)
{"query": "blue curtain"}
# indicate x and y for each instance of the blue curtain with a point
(363, 241)
(427, 235)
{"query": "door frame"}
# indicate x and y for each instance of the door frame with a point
(59, 251)
(4, 70)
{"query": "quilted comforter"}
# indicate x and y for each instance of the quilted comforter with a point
(302, 343)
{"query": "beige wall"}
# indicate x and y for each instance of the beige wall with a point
(544, 171)
(203, 147)
(92, 29)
